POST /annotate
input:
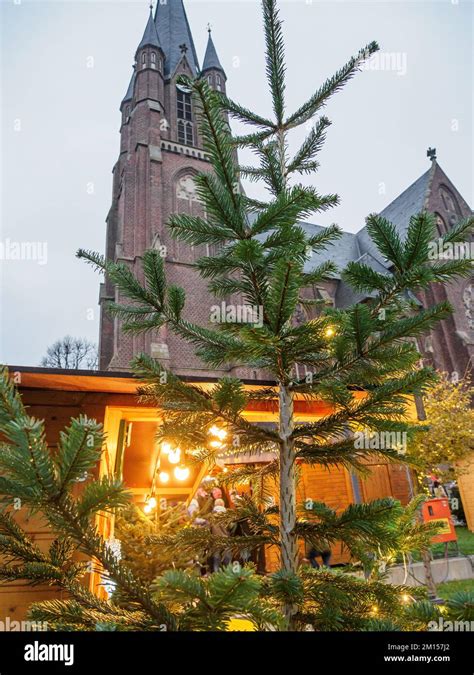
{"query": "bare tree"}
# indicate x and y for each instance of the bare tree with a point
(72, 354)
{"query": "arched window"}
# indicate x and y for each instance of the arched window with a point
(440, 224)
(153, 60)
(184, 115)
(144, 60)
(449, 200)
(218, 83)
(209, 80)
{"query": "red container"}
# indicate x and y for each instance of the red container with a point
(438, 511)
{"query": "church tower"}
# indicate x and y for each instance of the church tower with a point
(160, 153)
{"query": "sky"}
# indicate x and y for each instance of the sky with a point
(65, 66)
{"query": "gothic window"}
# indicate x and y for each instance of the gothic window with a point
(153, 60)
(209, 80)
(441, 225)
(185, 132)
(218, 83)
(185, 116)
(449, 201)
(187, 202)
(144, 60)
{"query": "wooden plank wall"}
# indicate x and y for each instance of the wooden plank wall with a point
(56, 408)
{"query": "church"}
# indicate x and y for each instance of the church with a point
(160, 153)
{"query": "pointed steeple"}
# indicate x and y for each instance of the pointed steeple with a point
(129, 95)
(175, 35)
(150, 36)
(211, 60)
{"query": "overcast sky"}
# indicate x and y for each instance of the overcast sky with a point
(65, 68)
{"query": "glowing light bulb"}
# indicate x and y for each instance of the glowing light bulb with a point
(147, 508)
(164, 477)
(174, 456)
(405, 597)
(165, 448)
(152, 502)
(181, 472)
(330, 332)
(215, 444)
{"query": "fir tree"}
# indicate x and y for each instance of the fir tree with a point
(262, 261)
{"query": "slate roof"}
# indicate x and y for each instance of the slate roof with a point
(399, 212)
(129, 95)
(150, 36)
(211, 60)
(173, 31)
(342, 251)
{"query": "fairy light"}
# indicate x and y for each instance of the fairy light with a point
(152, 502)
(164, 477)
(181, 472)
(174, 456)
(329, 332)
(165, 448)
(219, 433)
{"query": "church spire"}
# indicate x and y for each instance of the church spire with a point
(150, 36)
(175, 35)
(211, 60)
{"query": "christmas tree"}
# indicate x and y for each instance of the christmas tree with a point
(263, 252)
(367, 348)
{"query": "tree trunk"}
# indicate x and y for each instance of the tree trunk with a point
(288, 540)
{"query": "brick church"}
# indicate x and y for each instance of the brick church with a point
(161, 151)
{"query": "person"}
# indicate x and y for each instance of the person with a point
(218, 529)
(438, 490)
(325, 555)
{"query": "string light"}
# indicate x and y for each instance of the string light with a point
(174, 456)
(165, 448)
(164, 477)
(329, 332)
(181, 472)
(152, 502)
(220, 433)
